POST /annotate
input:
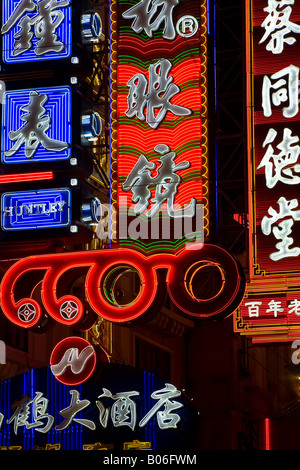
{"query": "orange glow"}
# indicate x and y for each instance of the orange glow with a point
(98, 264)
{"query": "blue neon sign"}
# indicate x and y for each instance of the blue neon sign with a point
(36, 31)
(36, 125)
(28, 210)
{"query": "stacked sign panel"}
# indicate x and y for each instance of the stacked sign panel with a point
(270, 309)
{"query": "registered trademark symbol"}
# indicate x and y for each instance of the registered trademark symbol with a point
(187, 26)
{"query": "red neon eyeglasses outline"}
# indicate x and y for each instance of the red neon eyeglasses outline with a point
(101, 262)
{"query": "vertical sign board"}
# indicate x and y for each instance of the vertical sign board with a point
(119, 408)
(273, 70)
(159, 116)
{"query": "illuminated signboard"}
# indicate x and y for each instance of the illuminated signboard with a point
(27, 210)
(36, 30)
(159, 114)
(269, 311)
(36, 125)
(273, 113)
(116, 407)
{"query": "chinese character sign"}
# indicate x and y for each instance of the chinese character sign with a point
(36, 125)
(269, 316)
(159, 112)
(274, 142)
(36, 30)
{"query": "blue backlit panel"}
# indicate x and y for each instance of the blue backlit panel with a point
(36, 30)
(28, 210)
(36, 125)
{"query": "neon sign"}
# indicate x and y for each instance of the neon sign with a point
(103, 266)
(27, 210)
(73, 360)
(36, 125)
(273, 46)
(269, 313)
(159, 134)
(36, 30)
(274, 138)
(120, 405)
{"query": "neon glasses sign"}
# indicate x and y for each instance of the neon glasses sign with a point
(36, 30)
(36, 125)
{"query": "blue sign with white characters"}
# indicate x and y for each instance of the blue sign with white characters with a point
(36, 125)
(28, 210)
(35, 30)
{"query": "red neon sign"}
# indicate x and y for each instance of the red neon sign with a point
(181, 271)
(73, 360)
(269, 314)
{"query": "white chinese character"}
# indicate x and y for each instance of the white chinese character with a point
(154, 96)
(294, 307)
(148, 16)
(283, 90)
(165, 182)
(253, 308)
(275, 307)
(281, 167)
(22, 413)
(282, 232)
(278, 25)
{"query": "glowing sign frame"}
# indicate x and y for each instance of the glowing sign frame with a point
(58, 108)
(132, 53)
(31, 216)
(73, 360)
(263, 66)
(63, 32)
